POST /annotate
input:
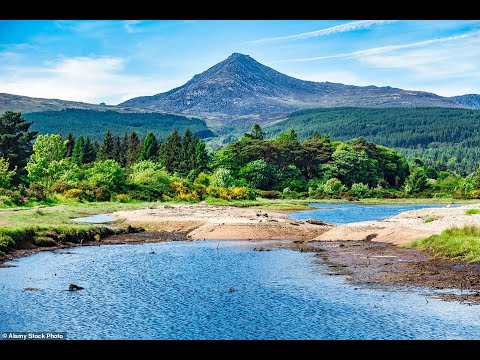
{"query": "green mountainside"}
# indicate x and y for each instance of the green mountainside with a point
(94, 123)
(431, 134)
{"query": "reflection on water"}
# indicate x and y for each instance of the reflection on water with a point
(95, 219)
(180, 290)
(347, 213)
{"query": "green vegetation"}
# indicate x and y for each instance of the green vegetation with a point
(92, 123)
(458, 244)
(449, 138)
(131, 168)
(472, 212)
(429, 219)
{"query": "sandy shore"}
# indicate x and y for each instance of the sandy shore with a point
(221, 223)
(405, 227)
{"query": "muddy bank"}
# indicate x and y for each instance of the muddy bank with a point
(370, 263)
(27, 243)
(221, 222)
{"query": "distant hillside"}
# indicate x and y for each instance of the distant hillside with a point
(242, 88)
(26, 104)
(436, 134)
(95, 123)
(469, 100)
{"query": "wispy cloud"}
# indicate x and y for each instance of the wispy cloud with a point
(130, 26)
(88, 79)
(384, 49)
(351, 26)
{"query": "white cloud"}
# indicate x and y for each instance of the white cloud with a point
(442, 61)
(130, 26)
(87, 79)
(384, 49)
(351, 26)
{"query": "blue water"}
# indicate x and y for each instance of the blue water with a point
(95, 219)
(182, 292)
(347, 213)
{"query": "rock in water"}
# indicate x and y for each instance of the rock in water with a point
(73, 287)
(317, 222)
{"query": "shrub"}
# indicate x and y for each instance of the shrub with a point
(333, 186)
(76, 194)
(108, 174)
(149, 173)
(191, 196)
(203, 179)
(472, 212)
(61, 187)
(177, 188)
(44, 241)
(37, 192)
(222, 178)
(102, 193)
(14, 196)
(122, 198)
(5, 242)
(242, 193)
(6, 201)
(269, 194)
(360, 190)
(6, 175)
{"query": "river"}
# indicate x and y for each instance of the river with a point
(213, 290)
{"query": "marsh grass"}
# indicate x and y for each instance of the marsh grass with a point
(472, 212)
(457, 244)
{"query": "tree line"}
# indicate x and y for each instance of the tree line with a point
(434, 135)
(50, 168)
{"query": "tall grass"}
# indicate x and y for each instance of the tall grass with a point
(457, 244)
(472, 212)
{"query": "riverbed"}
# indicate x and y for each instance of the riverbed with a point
(213, 290)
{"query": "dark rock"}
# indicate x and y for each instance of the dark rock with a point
(232, 289)
(369, 237)
(317, 222)
(73, 287)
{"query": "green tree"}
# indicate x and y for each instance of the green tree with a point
(350, 166)
(117, 150)
(256, 133)
(89, 152)
(134, 148)
(48, 163)
(70, 145)
(78, 154)
(6, 175)
(169, 152)
(258, 174)
(201, 157)
(107, 149)
(16, 142)
(107, 173)
(187, 153)
(149, 147)
(417, 181)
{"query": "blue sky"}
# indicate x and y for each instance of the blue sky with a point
(112, 61)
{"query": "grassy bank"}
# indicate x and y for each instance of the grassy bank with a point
(457, 244)
(47, 226)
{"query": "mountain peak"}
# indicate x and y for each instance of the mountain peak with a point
(240, 86)
(239, 56)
